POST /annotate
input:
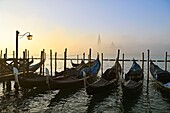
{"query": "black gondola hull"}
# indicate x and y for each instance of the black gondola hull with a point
(160, 76)
(106, 83)
(92, 90)
(38, 81)
(69, 83)
(131, 89)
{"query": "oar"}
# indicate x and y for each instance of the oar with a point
(15, 72)
(47, 77)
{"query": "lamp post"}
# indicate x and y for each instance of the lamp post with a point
(29, 37)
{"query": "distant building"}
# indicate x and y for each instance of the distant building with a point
(99, 41)
(112, 45)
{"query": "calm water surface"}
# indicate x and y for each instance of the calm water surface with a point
(77, 101)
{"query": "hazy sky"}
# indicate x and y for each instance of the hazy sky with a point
(131, 25)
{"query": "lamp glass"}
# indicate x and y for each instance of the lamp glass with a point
(29, 37)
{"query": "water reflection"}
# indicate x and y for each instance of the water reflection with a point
(27, 93)
(105, 102)
(96, 100)
(9, 102)
(130, 101)
(61, 97)
(22, 101)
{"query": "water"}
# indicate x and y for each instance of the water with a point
(55, 101)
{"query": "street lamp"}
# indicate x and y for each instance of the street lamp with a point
(29, 37)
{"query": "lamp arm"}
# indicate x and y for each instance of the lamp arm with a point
(24, 34)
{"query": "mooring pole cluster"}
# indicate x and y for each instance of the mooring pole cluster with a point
(25, 63)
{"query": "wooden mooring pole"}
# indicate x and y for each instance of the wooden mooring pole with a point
(6, 52)
(123, 64)
(101, 63)
(27, 66)
(26, 53)
(1, 54)
(51, 66)
(5, 58)
(83, 56)
(55, 62)
(89, 61)
(90, 54)
(143, 61)
(3, 84)
(24, 57)
(13, 54)
(148, 69)
(65, 61)
(43, 65)
(166, 58)
(117, 67)
(41, 61)
(8, 85)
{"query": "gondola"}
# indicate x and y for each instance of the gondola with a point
(72, 70)
(133, 81)
(160, 76)
(34, 67)
(35, 80)
(76, 80)
(106, 82)
(76, 65)
(31, 67)
(32, 80)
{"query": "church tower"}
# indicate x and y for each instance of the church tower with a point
(99, 40)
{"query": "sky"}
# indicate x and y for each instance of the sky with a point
(133, 26)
